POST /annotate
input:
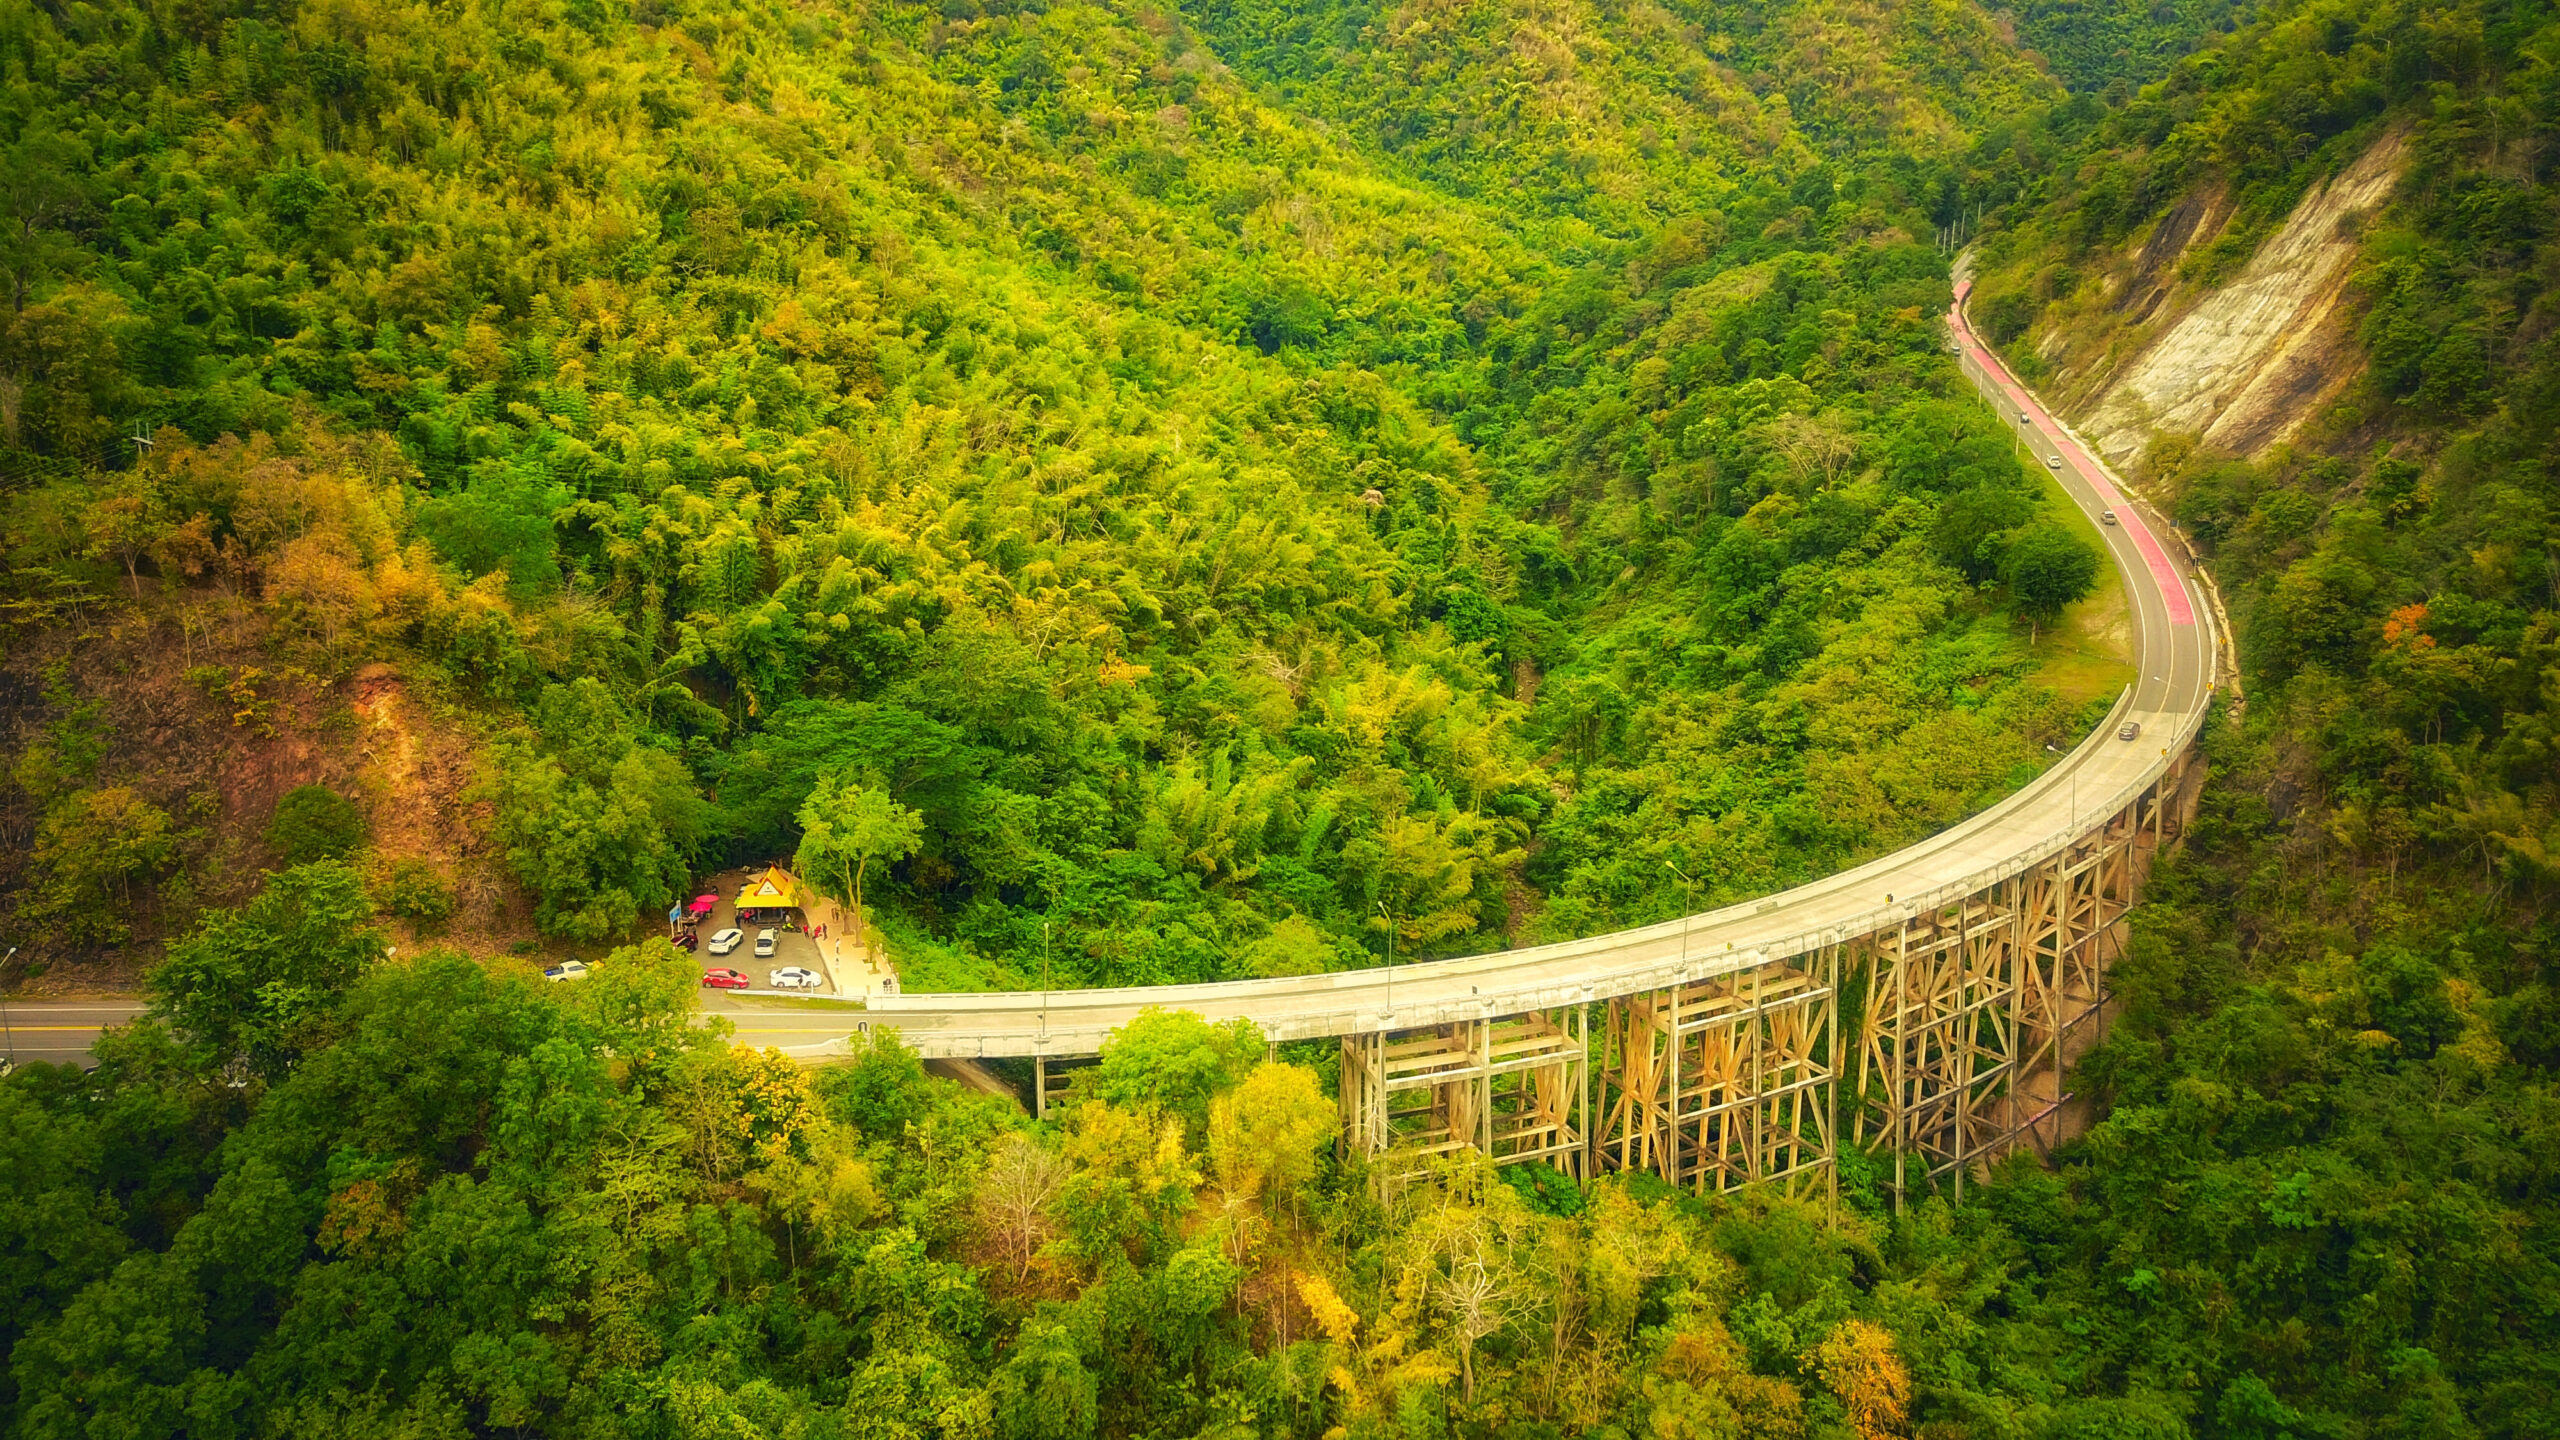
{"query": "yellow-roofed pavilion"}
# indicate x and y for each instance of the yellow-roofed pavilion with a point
(775, 889)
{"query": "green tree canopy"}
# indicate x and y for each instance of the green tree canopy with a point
(93, 848)
(844, 826)
(1267, 1134)
(2048, 568)
(314, 822)
(257, 986)
(1176, 1061)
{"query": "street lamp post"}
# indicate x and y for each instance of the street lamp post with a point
(1383, 914)
(7, 1030)
(1689, 888)
(1044, 986)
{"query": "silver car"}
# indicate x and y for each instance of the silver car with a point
(766, 940)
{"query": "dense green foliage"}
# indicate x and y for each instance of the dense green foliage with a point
(2113, 47)
(2333, 1104)
(1457, 474)
(1230, 539)
(314, 822)
(465, 1204)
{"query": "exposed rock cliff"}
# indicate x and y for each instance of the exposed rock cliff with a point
(2240, 366)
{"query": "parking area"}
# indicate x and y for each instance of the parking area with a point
(792, 945)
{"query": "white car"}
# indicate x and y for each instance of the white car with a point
(2106, 517)
(566, 970)
(792, 977)
(726, 941)
(2053, 462)
(765, 942)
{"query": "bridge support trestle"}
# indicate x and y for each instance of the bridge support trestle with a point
(1515, 1087)
(1726, 1081)
(1966, 1017)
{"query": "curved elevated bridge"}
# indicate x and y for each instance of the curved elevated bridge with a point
(1934, 995)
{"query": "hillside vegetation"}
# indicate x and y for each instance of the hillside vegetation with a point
(1234, 532)
(1242, 487)
(2345, 991)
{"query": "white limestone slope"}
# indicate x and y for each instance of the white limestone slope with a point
(2248, 363)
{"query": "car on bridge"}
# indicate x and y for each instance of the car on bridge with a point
(2132, 730)
(2106, 517)
(724, 978)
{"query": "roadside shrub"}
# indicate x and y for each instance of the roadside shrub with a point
(314, 822)
(415, 891)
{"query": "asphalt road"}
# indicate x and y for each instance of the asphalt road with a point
(62, 1031)
(760, 1021)
(2169, 607)
(2175, 650)
(59, 1032)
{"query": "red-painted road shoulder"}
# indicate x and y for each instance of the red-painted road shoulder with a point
(2173, 591)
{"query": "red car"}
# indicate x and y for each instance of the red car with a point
(724, 979)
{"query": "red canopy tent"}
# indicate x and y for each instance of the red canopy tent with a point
(702, 904)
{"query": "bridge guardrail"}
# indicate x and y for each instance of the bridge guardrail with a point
(1493, 992)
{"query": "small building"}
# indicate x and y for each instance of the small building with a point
(770, 898)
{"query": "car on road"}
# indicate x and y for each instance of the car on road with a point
(566, 970)
(2106, 517)
(2053, 462)
(2132, 729)
(724, 978)
(765, 943)
(726, 941)
(792, 977)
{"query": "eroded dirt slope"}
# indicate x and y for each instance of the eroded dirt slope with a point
(209, 723)
(2246, 365)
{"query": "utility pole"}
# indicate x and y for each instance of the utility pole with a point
(1040, 1055)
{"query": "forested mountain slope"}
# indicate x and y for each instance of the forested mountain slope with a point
(1229, 487)
(1217, 520)
(2344, 995)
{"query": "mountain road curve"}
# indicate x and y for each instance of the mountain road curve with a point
(2177, 657)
